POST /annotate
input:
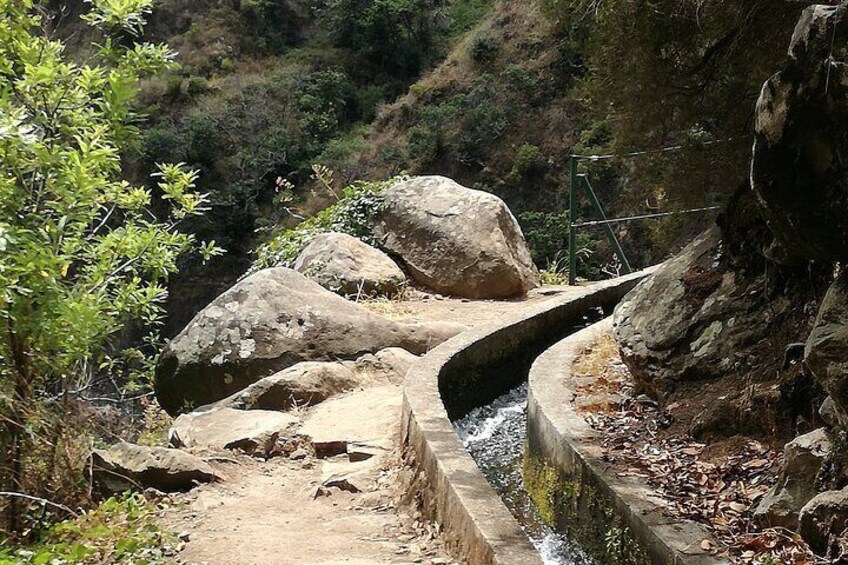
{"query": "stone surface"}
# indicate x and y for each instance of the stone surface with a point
(830, 415)
(797, 170)
(389, 364)
(825, 515)
(303, 384)
(367, 419)
(796, 484)
(350, 267)
(690, 319)
(826, 353)
(358, 476)
(455, 240)
(255, 432)
(269, 321)
(126, 466)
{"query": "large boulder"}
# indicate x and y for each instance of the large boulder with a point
(797, 170)
(455, 240)
(126, 466)
(824, 517)
(269, 321)
(826, 351)
(349, 267)
(304, 384)
(255, 432)
(796, 485)
(688, 320)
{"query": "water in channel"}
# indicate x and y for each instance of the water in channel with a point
(494, 435)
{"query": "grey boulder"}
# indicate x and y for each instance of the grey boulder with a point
(826, 352)
(350, 267)
(455, 240)
(126, 466)
(796, 483)
(824, 517)
(304, 384)
(390, 364)
(689, 320)
(797, 171)
(268, 322)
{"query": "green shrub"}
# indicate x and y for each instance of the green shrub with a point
(119, 530)
(547, 236)
(352, 214)
(484, 49)
(527, 163)
(465, 15)
(161, 144)
(423, 143)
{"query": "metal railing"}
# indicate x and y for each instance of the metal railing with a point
(577, 179)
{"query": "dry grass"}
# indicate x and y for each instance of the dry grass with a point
(600, 374)
(394, 308)
(597, 357)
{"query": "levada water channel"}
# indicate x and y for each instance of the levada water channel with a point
(494, 435)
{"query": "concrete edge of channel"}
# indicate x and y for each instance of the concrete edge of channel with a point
(561, 436)
(478, 527)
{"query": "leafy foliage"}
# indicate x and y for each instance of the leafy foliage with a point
(120, 530)
(84, 255)
(547, 237)
(396, 36)
(351, 214)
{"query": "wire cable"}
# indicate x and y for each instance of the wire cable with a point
(644, 217)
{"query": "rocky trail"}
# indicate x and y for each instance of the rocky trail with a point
(339, 492)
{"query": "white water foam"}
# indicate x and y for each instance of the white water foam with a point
(494, 435)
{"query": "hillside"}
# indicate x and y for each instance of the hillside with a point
(492, 94)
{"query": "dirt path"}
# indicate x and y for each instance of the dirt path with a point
(298, 510)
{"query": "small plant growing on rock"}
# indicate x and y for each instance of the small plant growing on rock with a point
(353, 214)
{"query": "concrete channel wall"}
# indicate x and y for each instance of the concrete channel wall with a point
(468, 371)
(566, 474)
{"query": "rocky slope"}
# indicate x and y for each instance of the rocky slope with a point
(740, 334)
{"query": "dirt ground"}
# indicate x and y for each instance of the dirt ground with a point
(279, 513)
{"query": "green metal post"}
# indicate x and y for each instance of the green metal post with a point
(610, 233)
(572, 210)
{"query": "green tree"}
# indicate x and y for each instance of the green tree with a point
(396, 36)
(82, 254)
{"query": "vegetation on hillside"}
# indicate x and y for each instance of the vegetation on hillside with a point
(537, 81)
(270, 96)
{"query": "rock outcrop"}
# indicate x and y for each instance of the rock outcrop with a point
(268, 322)
(826, 352)
(797, 170)
(689, 320)
(304, 384)
(796, 484)
(824, 516)
(350, 267)
(455, 240)
(360, 422)
(126, 466)
(389, 364)
(255, 432)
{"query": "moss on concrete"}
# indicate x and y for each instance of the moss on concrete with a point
(572, 506)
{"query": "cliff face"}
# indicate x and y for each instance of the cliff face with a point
(732, 313)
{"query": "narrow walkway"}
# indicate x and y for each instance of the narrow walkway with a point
(278, 513)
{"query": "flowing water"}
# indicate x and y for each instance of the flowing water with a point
(494, 435)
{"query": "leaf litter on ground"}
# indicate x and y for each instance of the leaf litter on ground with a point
(721, 495)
